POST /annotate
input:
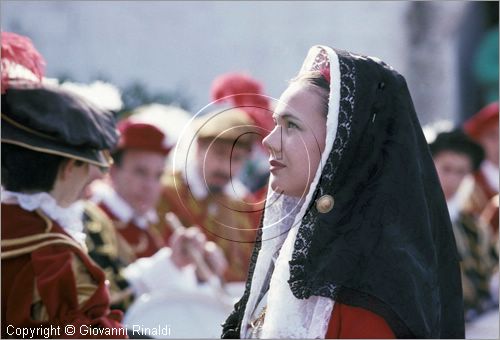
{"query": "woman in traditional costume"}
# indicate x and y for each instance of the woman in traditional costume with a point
(355, 241)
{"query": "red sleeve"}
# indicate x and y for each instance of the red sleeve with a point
(357, 323)
(69, 302)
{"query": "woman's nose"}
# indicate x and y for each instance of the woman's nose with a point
(273, 142)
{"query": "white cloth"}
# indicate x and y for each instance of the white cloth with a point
(491, 174)
(68, 218)
(102, 192)
(158, 273)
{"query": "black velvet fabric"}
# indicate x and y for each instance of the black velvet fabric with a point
(51, 118)
(387, 245)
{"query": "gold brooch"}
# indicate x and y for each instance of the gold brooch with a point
(325, 203)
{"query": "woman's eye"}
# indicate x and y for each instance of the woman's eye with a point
(292, 125)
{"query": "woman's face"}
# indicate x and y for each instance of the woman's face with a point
(297, 140)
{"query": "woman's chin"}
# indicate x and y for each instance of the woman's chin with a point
(274, 182)
(288, 190)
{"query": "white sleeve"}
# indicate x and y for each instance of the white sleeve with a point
(158, 273)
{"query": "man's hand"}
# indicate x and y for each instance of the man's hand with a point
(215, 259)
(185, 244)
(190, 246)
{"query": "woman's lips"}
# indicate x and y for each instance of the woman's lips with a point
(275, 165)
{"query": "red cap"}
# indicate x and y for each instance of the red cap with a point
(486, 118)
(142, 136)
(246, 94)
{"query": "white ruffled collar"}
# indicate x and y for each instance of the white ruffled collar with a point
(104, 193)
(68, 218)
(454, 206)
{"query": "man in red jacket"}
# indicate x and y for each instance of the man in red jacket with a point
(129, 199)
(121, 235)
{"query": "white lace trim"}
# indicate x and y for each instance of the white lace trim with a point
(68, 218)
(287, 316)
(278, 218)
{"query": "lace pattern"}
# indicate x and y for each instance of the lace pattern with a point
(302, 244)
(279, 216)
(316, 60)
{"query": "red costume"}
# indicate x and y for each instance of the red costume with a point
(48, 279)
(143, 241)
(137, 231)
(349, 322)
(210, 213)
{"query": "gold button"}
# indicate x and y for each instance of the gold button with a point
(325, 203)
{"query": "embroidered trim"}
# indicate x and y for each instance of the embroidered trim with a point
(56, 239)
(29, 249)
(57, 153)
(258, 323)
(233, 326)
(27, 129)
(304, 235)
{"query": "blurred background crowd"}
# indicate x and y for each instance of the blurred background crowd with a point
(181, 76)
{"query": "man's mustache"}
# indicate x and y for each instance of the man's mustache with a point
(220, 175)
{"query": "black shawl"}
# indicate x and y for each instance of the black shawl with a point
(387, 245)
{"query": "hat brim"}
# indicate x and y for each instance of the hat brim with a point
(14, 135)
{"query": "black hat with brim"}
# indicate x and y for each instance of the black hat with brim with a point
(51, 120)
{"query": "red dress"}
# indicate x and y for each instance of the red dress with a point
(349, 322)
(48, 279)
